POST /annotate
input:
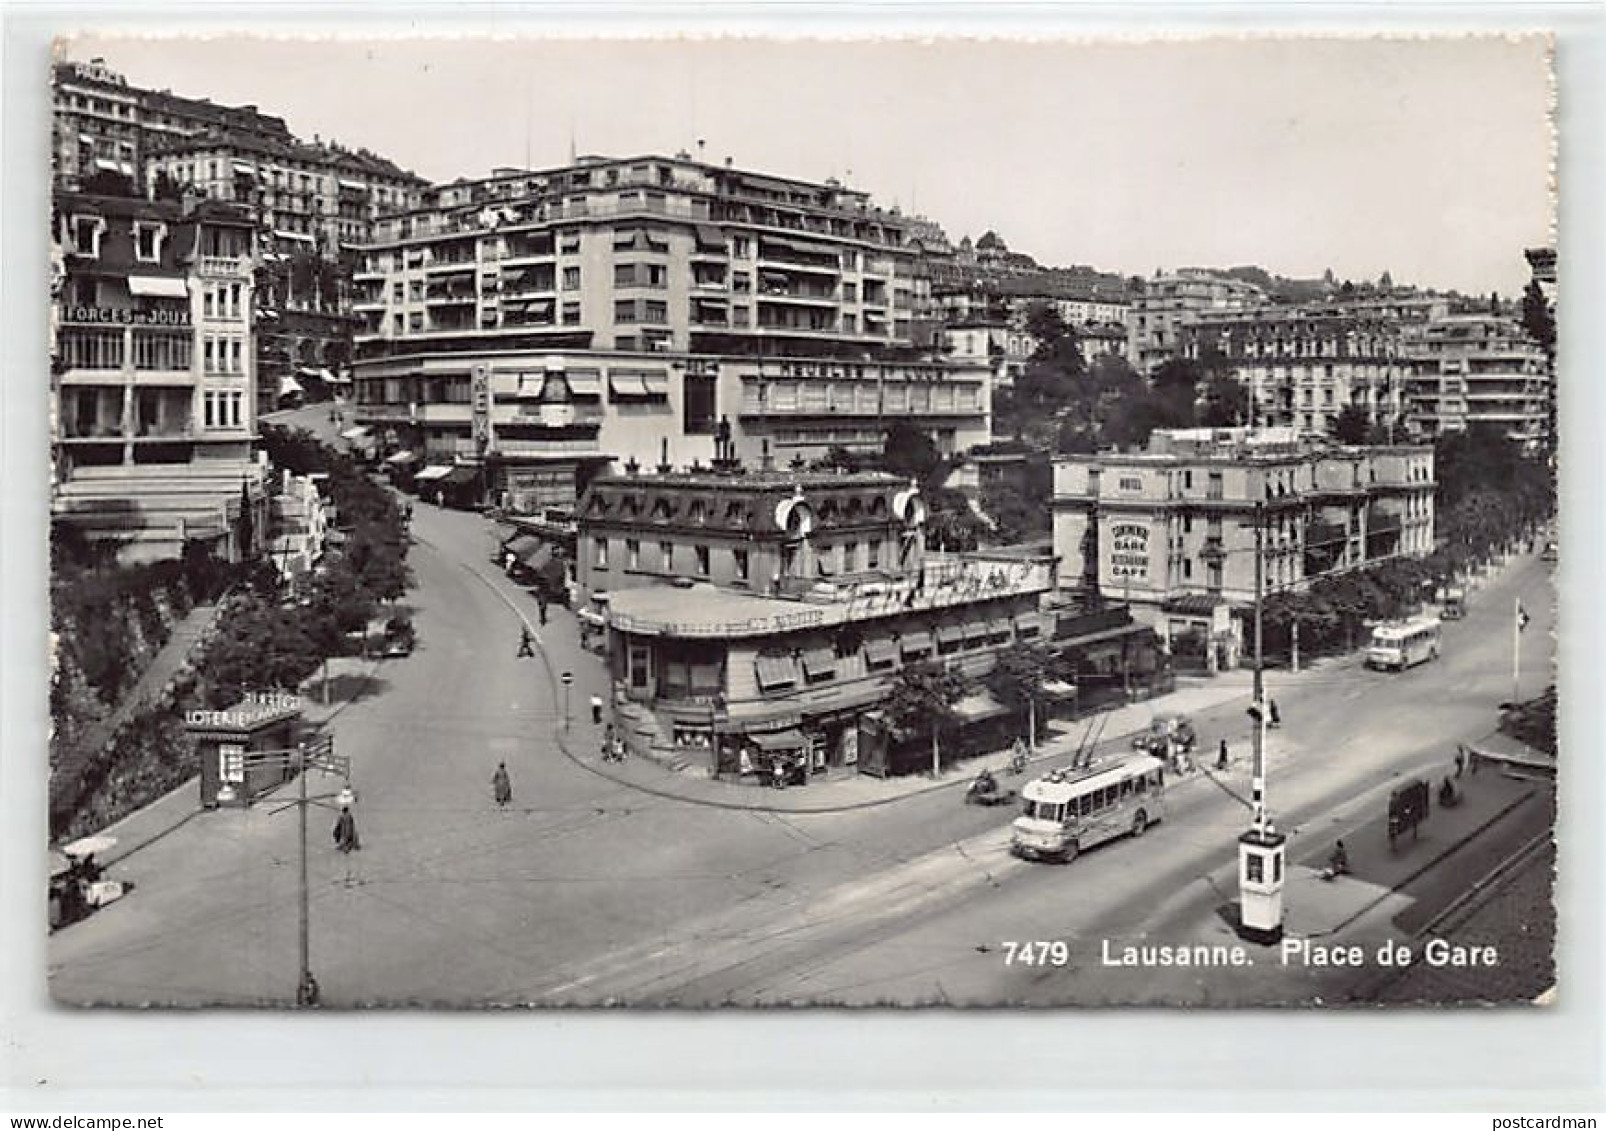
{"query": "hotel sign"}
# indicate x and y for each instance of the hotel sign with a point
(1129, 551)
(480, 400)
(124, 316)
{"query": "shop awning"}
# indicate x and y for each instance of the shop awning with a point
(361, 431)
(710, 237)
(626, 385)
(879, 650)
(1059, 689)
(999, 630)
(656, 384)
(951, 634)
(358, 185)
(334, 378)
(158, 286)
(289, 386)
(242, 167)
(913, 642)
(819, 663)
(432, 472)
(458, 477)
(584, 382)
(774, 672)
(977, 631)
(978, 708)
(402, 457)
(297, 236)
(777, 740)
(532, 384)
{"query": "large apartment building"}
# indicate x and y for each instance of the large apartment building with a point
(1302, 366)
(1172, 529)
(1158, 315)
(102, 124)
(634, 309)
(1479, 368)
(153, 381)
(314, 195)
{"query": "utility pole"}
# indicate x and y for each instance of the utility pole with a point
(306, 988)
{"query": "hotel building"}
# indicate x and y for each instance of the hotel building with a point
(1172, 530)
(756, 614)
(153, 378)
(538, 323)
(1303, 366)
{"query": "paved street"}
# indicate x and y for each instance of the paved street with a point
(652, 887)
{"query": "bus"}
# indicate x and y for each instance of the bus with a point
(1404, 644)
(1068, 812)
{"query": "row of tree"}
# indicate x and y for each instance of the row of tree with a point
(266, 637)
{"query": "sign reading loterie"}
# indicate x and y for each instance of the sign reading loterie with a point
(256, 709)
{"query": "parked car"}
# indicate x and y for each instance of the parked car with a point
(1550, 553)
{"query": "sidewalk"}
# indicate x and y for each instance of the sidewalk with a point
(1391, 899)
(559, 649)
(348, 677)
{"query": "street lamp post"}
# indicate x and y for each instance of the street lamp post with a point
(568, 681)
(321, 756)
(1261, 847)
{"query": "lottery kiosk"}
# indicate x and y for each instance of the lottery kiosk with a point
(232, 744)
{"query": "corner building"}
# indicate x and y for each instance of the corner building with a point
(537, 324)
(756, 614)
(153, 390)
(1171, 530)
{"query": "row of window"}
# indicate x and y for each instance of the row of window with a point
(223, 408)
(223, 300)
(223, 354)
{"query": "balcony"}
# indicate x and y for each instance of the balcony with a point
(222, 267)
(506, 447)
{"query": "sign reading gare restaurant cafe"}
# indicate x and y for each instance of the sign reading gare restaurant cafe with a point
(1129, 551)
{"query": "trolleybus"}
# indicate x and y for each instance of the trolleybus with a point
(1068, 812)
(1404, 644)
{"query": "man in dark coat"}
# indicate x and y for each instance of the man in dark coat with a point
(501, 784)
(526, 643)
(346, 831)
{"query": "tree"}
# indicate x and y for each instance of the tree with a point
(910, 452)
(1494, 303)
(1385, 282)
(1538, 318)
(1018, 678)
(1351, 425)
(1226, 403)
(923, 695)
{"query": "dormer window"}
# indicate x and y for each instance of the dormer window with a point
(85, 233)
(148, 239)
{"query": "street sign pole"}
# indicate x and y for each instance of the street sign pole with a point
(568, 680)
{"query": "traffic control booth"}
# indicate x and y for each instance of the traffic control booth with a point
(235, 745)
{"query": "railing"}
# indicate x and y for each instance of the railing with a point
(213, 266)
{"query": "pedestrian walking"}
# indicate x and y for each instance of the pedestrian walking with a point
(526, 643)
(596, 710)
(501, 784)
(540, 607)
(346, 831)
(1276, 716)
(1221, 755)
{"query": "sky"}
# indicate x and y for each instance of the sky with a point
(1429, 158)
